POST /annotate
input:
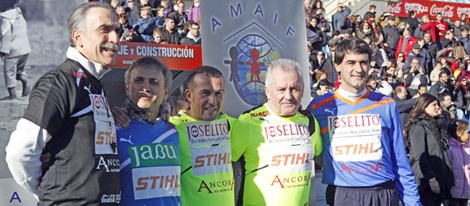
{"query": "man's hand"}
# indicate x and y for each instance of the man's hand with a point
(434, 186)
(45, 159)
(121, 117)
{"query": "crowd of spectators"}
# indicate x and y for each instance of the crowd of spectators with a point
(419, 55)
(158, 21)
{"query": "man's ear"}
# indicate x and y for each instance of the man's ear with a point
(77, 38)
(127, 89)
(187, 94)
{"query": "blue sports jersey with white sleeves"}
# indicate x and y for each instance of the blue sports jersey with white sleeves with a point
(150, 163)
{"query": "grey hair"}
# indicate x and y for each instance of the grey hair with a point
(77, 20)
(150, 62)
(285, 65)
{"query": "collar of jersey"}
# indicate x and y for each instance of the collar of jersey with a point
(94, 68)
(271, 114)
(351, 98)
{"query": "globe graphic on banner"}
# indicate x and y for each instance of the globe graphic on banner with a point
(254, 54)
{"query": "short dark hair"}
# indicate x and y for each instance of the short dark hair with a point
(323, 82)
(351, 45)
(442, 73)
(208, 70)
(372, 6)
(150, 62)
(422, 85)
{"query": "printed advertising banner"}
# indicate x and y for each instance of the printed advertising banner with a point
(447, 9)
(176, 57)
(242, 38)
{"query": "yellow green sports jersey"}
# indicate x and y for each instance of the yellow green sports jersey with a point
(206, 169)
(278, 154)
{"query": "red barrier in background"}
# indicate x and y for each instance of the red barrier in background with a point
(447, 9)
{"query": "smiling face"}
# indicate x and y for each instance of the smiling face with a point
(432, 109)
(284, 92)
(353, 71)
(98, 41)
(205, 96)
(146, 88)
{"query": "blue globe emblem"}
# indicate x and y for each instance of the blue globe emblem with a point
(250, 58)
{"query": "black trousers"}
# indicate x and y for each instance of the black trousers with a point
(383, 194)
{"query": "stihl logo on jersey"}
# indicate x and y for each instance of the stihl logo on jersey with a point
(291, 181)
(348, 121)
(157, 182)
(285, 130)
(105, 138)
(354, 149)
(216, 186)
(290, 159)
(207, 130)
(212, 160)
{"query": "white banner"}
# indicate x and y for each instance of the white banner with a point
(242, 38)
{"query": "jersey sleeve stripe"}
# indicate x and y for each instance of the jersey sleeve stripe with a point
(385, 101)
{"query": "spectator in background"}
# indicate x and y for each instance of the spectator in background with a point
(339, 18)
(370, 14)
(127, 32)
(160, 18)
(412, 21)
(180, 17)
(194, 35)
(120, 10)
(405, 44)
(323, 86)
(400, 60)
(424, 57)
(441, 25)
(318, 42)
(14, 48)
(133, 11)
(465, 39)
(317, 5)
(194, 11)
(158, 36)
(170, 34)
(145, 24)
(403, 103)
(449, 40)
(428, 155)
(457, 28)
(422, 89)
(441, 86)
(429, 45)
(114, 4)
(363, 30)
(391, 36)
(166, 5)
(430, 26)
(459, 155)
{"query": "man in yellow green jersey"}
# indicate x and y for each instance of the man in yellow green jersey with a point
(277, 142)
(204, 132)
